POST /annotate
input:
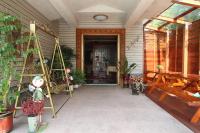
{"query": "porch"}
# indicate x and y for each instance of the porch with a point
(102, 45)
(107, 109)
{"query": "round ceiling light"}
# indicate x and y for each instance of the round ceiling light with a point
(100, 17)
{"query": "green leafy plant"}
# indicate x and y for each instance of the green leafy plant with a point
(10, 31)
(67, 54)
(126, 69)
(78, 77)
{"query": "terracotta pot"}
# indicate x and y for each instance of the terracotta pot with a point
(6, 122)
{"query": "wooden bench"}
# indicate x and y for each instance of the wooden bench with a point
(150, 76)
(181, 87)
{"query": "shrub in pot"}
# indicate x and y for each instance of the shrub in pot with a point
(125, 71)
(78, 78)
(10, 39)
(32, 109)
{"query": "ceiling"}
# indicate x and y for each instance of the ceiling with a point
(125, 12)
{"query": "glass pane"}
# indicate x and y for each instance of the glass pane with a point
(193, 16)
(156, 23)
(171, 26)
(175, 10)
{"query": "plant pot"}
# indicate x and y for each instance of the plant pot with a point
(135, 90)
(71, 88)
(75, 86)
(126, 81)
(32, 124)
(6, 122)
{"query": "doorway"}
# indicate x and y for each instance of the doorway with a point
(100, 59)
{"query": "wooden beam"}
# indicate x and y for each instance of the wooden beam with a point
(155, 29)
(193, 3)
(171, 20)
(185, 50)
(163, 25)
(147, 23)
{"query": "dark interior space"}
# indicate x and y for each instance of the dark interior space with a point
(100, 59)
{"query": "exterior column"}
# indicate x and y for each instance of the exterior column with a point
(185, 50)
(167, 52)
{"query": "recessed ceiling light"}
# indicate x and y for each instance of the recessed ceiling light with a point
(100, 17)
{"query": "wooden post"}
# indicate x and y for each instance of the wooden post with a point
(154, 51)
(167, 52)
(185, 50)
(176, 43)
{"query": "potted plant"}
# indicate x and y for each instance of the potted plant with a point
(33, 107)
(9, 41)
(78, 78)
(125, 71)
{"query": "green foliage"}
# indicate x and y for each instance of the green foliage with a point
(78, 77)
(8, 56)
(67, 54)
(126, 69)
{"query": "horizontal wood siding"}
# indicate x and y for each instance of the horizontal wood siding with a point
(134, 54)
(26, 13)
(134, 51)
(67, 35)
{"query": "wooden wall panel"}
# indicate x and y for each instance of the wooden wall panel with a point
(193, 48)
(155, 50)
(161, 48)
(172, 51)
(176, 39)
(179, 50)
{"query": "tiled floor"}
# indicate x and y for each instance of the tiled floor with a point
(107, 109)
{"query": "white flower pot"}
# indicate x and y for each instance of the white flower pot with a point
(32, 124)
(75, 86)
(71, 88)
